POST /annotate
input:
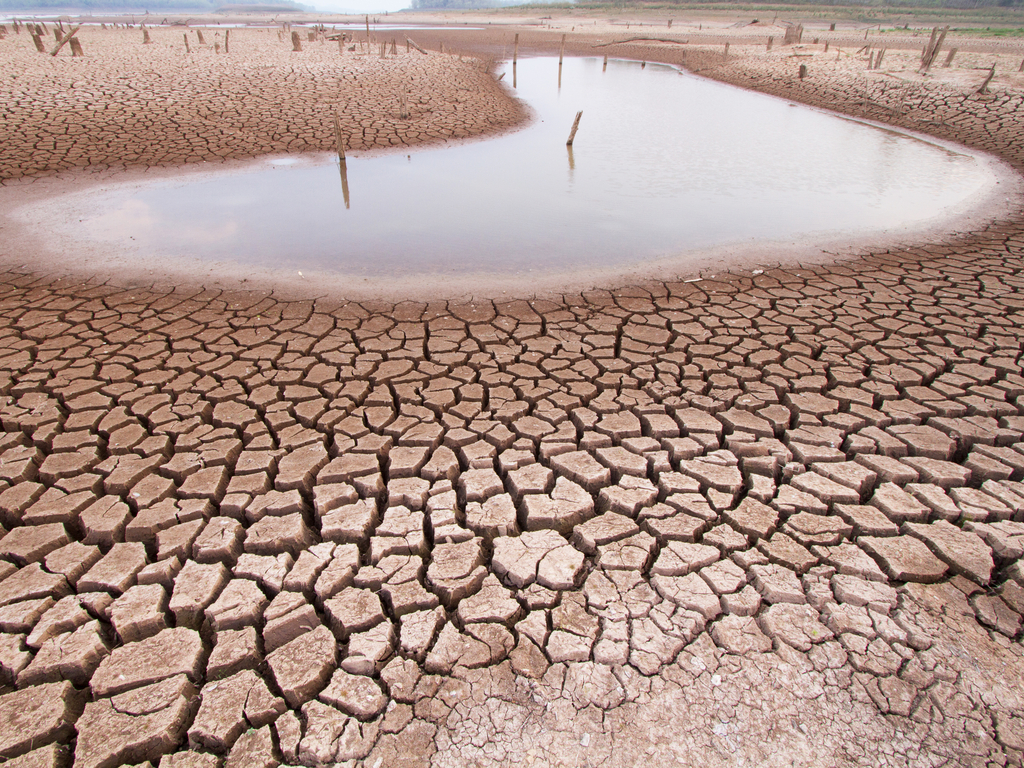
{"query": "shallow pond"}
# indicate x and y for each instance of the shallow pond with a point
(665, 166)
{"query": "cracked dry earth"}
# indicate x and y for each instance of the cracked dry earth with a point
(770, 519)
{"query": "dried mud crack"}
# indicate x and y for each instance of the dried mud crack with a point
(772, 519)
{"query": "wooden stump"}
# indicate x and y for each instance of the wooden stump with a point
(145, 37)
(803, 71)
(39, 43)
(187, 49)
(76, 48)
(199, 35)
(575, 127)
(296, 42)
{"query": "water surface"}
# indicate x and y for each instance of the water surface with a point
(665, 165)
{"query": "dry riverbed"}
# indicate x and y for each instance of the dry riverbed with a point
(772, 518)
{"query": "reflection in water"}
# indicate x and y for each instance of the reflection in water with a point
(344, 180)
(669, 164)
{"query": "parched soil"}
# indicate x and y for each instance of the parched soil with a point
(771, 518)
(128, 104)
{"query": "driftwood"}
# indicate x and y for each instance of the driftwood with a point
(64, 40)
(643, 40)
(410, 42)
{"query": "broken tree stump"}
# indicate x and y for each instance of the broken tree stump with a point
(575, 127)
(984, 86)
(63, 41)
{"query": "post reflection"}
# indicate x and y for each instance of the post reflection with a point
(344, 181)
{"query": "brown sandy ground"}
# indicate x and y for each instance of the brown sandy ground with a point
(772, 519)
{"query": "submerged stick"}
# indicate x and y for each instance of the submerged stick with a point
(575, 127)
(343, 165)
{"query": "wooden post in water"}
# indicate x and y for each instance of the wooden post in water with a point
(575, 127)
(515, 49)
(561, 51)
(950, 57)
(991, 74)
(76, 47)
(604, 67)
(341, 156)
(296, 42)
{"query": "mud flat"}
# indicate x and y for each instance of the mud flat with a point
(768, 518)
